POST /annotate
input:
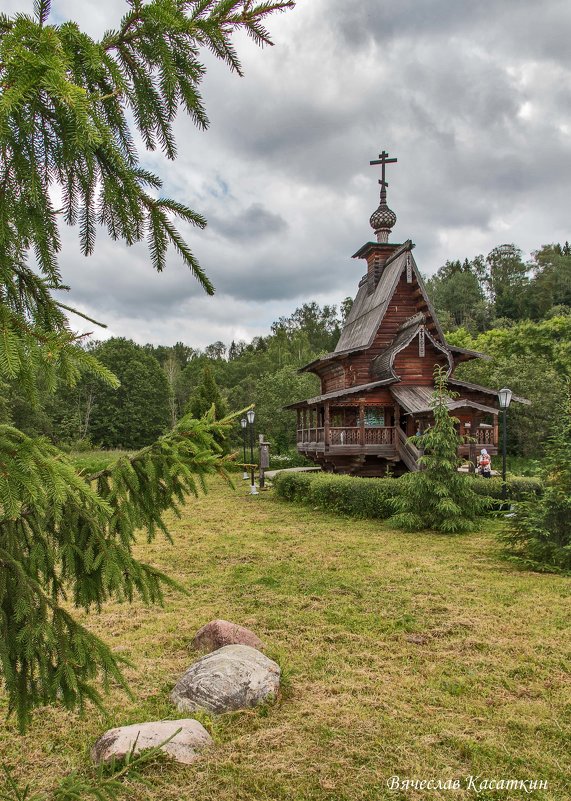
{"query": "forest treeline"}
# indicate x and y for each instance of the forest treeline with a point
(517, 312)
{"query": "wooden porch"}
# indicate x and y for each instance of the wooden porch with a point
(349, 447)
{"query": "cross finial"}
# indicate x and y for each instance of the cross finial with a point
(383, 219)
(383, 160)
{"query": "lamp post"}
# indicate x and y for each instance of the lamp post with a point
(251, 417)
(504, 399)
(244, 424)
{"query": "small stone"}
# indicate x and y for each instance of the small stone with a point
(417, 639)
(219, 633)
(233, 677)
(185, 747)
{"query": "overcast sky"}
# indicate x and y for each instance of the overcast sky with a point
(473, 98)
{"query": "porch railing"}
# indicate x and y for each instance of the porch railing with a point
(485, 436)
(380, 435)
(347, 435)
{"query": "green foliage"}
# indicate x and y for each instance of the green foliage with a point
(458, 295)
(540, 533)
(137, 413)
(552, 279)
(517, 487)
(501, 289)
(356, 497)
(375, 497)
(71, 110)
(206, 396)
(533, 359)
(438, 496)
(274, 391)
(63, 535)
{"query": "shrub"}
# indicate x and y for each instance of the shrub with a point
(540, 533)
(356, 497)
(375, 497)
(518, 487)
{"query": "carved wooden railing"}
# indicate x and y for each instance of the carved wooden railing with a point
(346, 435)
(307, 435)
(380, 435)
(485, 436)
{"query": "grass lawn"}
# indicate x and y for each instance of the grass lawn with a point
(487, 693)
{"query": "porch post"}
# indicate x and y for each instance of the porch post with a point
(326, 426)
(362, 424)
(472, 451)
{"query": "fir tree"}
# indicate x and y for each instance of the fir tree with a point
(540, 533)
(206, 396)
(438, 496)
(66, 106)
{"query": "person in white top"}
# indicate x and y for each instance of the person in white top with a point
(484, 464)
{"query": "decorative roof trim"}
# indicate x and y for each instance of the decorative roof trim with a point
(368, 246)
(406, 334)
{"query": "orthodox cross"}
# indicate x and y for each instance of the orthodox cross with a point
(383, 160)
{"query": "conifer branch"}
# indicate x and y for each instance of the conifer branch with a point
(66, 107)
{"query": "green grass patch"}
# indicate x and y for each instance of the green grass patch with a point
(418, 655)
(91, 461)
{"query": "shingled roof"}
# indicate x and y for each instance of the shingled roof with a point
(369, 308)
(341, 393)
(417, 400)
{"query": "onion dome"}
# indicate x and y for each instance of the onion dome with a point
(383, 220)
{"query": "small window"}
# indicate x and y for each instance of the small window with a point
(374, 416)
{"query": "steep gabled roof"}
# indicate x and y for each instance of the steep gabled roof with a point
(369, 309)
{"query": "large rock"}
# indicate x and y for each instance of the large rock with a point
(185, 747)
(233, 677)
(219, 633)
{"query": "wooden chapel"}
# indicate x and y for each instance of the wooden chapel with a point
(376, 385)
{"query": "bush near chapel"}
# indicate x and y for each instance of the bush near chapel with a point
(374, 498)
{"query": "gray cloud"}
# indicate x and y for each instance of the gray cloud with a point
(254, 222)
(473, 99)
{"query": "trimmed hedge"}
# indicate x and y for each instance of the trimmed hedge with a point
(372, 497)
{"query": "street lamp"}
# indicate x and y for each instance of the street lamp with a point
(244, 424)
(504, 399)
(251, 417)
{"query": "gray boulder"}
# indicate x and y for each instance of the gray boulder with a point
(233, 677)
(185, 747)
(219, 633)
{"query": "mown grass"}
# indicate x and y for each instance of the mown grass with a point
(91, 461)
(335, 600)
